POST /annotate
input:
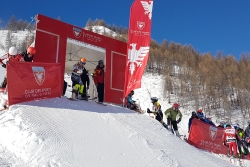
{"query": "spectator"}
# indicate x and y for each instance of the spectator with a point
(11, 56)
(99, 80)
(191, 119)
(172, 113)
(131, 104)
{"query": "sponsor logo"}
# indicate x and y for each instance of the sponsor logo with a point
(140, 25)
(39, 74)
(213, 132)
(77, 32)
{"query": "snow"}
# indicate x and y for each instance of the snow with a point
(62, 133)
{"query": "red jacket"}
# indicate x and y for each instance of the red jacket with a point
(99, 74)
(229, 135)
(17, 57)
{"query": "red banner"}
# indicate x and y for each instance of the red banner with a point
(138, 43)
(207, 137)
(33, 81)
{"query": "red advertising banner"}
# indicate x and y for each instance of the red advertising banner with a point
(207, 137)
(28, 81)
(138, 43)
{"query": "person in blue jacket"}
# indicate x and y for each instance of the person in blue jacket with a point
(131, 104)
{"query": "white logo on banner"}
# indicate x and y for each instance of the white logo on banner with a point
(148, 8)
(140, 25)
(39, 74)
(135, 56)
(213, 132)
(77, 32)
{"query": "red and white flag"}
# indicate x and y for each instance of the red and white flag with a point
(138, 43)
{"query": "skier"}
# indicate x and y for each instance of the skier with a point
(172, 114)
(76, 78)
(240, 141)
(131, 104)
(11, 56)
(229, 139)
(99, 80)
(191, 119)
(84, 79)
(157, 111)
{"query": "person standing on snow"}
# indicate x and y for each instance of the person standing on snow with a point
(77, 84)
(99, 80)
(172, 113)
(84, 79)
(157, 111)
(11, 56)
(229, 139)
(191, 119)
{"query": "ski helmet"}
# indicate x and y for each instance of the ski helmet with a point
(227, 125)
(154, 99)
(12, 51)
(236, 126)
(200, 110)
(247, 140)
(193, 113)
(175, 106)
(132, 92)
(83, 61)
(31, 50)
(100, 62)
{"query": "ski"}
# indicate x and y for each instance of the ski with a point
(3, 109)
(101, 103)
(184, 138)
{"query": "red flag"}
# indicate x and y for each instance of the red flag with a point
(138, 43)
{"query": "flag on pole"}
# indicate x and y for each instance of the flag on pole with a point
(138, 43)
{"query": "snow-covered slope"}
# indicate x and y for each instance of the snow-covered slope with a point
(63, 133)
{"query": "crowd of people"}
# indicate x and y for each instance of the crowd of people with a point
(14, 56)
(171, 114)
(79, 77)
(234, 137)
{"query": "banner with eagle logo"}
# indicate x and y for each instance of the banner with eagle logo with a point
(28, 81)
(138, 43)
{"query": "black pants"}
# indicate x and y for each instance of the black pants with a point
(173, 124)
(64, 87)
(84, 94)
(100, 91)
(4, 83)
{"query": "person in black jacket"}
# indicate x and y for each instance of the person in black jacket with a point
(191, 119)
(85, 82)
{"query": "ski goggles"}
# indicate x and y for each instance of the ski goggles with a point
(83, 63)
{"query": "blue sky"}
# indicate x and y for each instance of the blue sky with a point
(208, 25)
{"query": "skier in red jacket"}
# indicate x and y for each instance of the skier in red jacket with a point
(229, 139)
